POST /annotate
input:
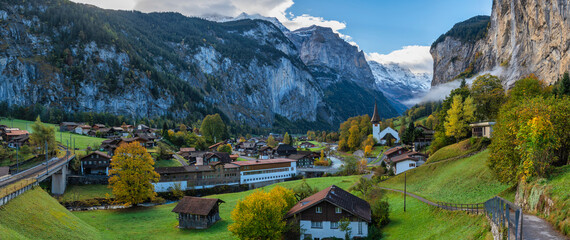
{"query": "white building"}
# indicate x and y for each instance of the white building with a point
(380, 136)
(258, 173)
(406, 161)
(319, 215)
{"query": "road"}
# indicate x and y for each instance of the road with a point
(180, 159)
(36, 171)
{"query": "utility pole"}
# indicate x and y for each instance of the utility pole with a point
(46, 150)
(404, 192)
(17, 160)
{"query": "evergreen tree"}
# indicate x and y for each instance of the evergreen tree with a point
(455, 124)
(287, 139)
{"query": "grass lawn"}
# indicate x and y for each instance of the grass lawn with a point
(160, 222)
(36, 215)
(466, 180)
(421, 221)
(7, 162)
(451, 151)
(241, 159)
(82, 192)
(167, 163)
(81, 141)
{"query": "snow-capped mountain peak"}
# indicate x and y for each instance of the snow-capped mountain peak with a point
(400, 83)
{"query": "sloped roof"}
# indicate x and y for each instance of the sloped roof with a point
(338, 197)
(393, 150)
(222, 156)
(196, 205)
(284, 147)
(265, 161)
(375, 115)
(102, 154)
(406, 156)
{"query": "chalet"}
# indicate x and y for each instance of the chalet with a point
(482, 129)
(97, 126)
(110, 145)
(392, 152)
(265, 152)
(305, 159)
(197, 176)
(11, 133)
(19, 141)
(82, 129)
(119, 131)
(425, 138)
(143, 127)
(284, 150)
(151, 139)
(95, 163)
(197, 213)
(249, 148)
(186, 152)
(215, 158)
(68, 126)
(234, 157)
(406, 161)
(306, 145)
(259, 173)
(128, 128)
(319, 215)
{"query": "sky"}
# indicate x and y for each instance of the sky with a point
(388, 31)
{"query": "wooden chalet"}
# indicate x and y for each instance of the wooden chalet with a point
(95, 163)
(284, 150)
(197, 213)
(319, 215)
(305, 159)
(68, 126)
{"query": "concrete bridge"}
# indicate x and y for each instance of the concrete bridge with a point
(56, 168)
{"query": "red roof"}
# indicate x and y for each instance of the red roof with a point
(17, 132)
(392, 150)
(196, 205)
(260, 162)
(338, 197)
(406, 156)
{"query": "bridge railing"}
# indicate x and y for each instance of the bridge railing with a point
(474, 208)
(501, 211)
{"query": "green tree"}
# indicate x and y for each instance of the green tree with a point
(42, 134)
(488, 95)
(260, 215)
(563, 85)
(213, 129)
(311, 135)
(132, 174)
(304, 190)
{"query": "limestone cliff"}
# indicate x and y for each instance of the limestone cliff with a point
(523, 37)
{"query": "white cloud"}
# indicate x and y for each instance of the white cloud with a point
(110, 4)
(416, 58)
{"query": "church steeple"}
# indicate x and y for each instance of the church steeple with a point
(375, 117)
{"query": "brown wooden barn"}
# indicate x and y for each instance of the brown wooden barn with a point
(197, 213)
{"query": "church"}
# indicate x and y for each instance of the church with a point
(378, 134)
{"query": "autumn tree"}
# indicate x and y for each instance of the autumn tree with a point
(260, 215)
(287, 139)
(458, 117)
(132, 174)
(488, 95)
(213, 129)
(271, 141)
(367, 150)
(354, 138)
(311, 135)
(42, 134)
(227, 148)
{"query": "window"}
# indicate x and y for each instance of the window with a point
(316, 224)
(334, 225)
(337, 210)
(319, 209)
(412, 164)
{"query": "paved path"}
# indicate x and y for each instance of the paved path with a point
(181, 160)
(534, 228)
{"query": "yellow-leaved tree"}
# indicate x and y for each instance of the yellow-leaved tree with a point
(132, 174)
(459, 116)
(260, 215)
(367, 150)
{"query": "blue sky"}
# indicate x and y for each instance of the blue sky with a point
(398, 31)
(384, 26)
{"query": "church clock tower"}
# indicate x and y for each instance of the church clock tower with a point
(375, 123)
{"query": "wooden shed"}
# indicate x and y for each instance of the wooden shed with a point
(197, 213)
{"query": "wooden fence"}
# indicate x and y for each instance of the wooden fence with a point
(474, 208)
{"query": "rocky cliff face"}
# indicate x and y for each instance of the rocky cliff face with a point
(343, 73)
(523, 37)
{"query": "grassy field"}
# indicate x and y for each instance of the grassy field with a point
(451, 151)
(167, 163)
(36, 215)
(81, 141)
(466, 180)
(82, 192)
(421, 221)
(160, 222)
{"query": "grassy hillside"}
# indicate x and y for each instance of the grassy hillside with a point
(81, 141)
(462, 148)
(36, 215)
(466, 180)
(421, 221)
(160, 222)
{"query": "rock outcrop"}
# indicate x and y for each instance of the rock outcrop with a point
(523, 37)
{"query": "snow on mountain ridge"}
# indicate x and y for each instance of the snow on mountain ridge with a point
(400, 83)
